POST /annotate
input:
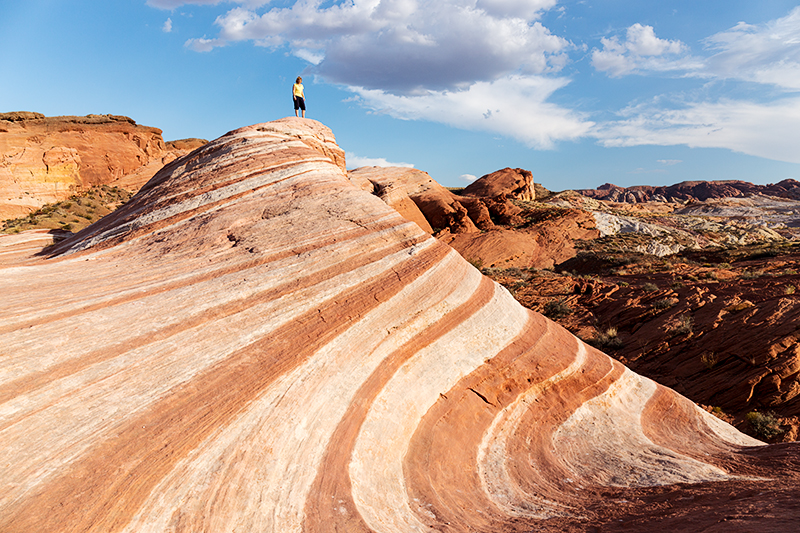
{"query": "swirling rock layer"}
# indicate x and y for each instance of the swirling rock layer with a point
(255, 344)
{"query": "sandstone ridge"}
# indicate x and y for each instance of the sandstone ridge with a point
(47, 159)
(254, 343)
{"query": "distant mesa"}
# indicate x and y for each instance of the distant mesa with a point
(47, 159)
(254, 342)
(692, 191)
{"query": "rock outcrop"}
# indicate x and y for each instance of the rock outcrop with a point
(47, 159)
(484, 224)
(515, 183)
(253, 343)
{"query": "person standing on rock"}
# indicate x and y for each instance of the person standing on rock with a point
(298, 96)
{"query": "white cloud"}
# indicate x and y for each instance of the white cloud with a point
(167, 27)
(467, 177)
(315, 58)
(768, 54)
(403, 46)
(641, 50)
(204, 45)
(765, 130)
(356, 161)
(669, 162)
(525, 9)
(513, 106)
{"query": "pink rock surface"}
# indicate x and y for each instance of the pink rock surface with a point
(253, 343)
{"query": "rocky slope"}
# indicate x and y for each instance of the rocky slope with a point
(722, 332)
(48, 159)
(254, 343)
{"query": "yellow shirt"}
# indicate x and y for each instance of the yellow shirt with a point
(297, 90)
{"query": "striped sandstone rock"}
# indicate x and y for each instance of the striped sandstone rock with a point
(253, 343)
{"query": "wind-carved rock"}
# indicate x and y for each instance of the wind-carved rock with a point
(253, 343)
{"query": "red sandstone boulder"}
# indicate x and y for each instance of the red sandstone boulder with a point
(515, 183)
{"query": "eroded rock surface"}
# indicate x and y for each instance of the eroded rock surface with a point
(47, 159)
(253, 343)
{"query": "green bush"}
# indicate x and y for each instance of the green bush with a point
(765, 425)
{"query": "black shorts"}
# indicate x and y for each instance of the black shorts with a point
(299, 103)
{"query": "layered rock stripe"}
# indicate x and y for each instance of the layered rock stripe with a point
(253, 343)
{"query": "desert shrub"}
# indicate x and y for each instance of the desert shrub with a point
(685, 325)
(555, 309)
(752, 274)
(677, 285)
(709, 360)
(607, 340)
(789, 289)
(649, 287)
(765, 425)
(477, 263)
(664, 303)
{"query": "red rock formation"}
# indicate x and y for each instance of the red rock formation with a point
(490, 231)
(515, 183)
(254, 344)
(44, 160)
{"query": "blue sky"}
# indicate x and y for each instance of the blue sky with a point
(579, 92)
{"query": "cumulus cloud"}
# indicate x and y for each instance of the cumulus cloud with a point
(767, 54)
(467, 177)
(403, 46)
(167, 27)
(641, 50)
(513, 106)
(355, 161)
(761, 129)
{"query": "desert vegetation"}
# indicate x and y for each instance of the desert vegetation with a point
(73, 214)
